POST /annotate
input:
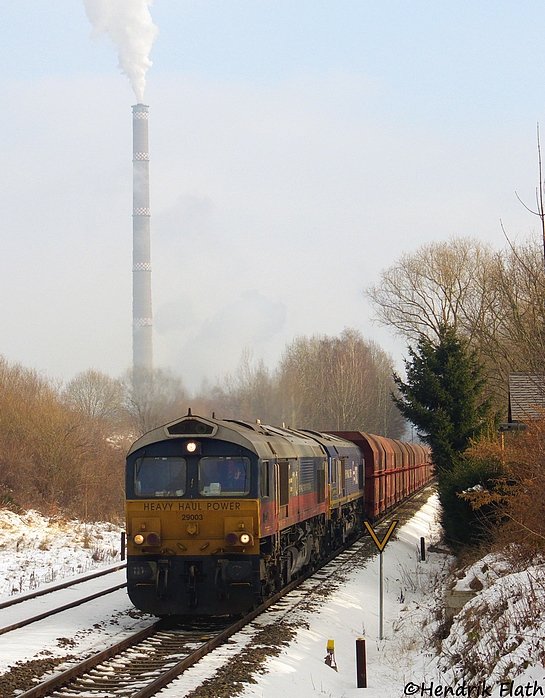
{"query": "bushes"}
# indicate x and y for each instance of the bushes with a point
(524, 510)
(470, 496)
(52, 457)
(497, 493)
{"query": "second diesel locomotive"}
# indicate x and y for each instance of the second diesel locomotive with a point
(220, 514)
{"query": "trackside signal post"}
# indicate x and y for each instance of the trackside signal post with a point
(381, 544)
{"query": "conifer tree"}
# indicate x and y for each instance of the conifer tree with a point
(443, 396)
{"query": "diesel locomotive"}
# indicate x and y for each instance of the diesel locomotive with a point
(220, 514)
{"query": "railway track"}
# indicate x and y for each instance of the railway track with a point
(21, 598)
(146, 662)
(35, 617)
(140, 665)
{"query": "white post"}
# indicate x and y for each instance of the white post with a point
(381, 597)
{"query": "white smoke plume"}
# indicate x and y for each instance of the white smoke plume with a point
(130, 26)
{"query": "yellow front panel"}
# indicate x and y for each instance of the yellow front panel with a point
(196, 527)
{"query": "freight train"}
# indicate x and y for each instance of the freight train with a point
(221, 513)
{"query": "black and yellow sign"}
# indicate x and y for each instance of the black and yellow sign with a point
(381, 543)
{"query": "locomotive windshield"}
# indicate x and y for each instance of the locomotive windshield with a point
(224, 476)
(160, 477)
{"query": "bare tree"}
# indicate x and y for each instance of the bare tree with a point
(443, 283)
(512, 337)
(338, 383)
(495, 300)
(154, 398)
(95, 395)
(540, 197)
(321, 383)
(253, 391)
(250, 393)
(54, 457)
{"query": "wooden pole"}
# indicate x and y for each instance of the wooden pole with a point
(361, 665)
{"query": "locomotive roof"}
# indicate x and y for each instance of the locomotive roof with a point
(264, 440)
(334, 445)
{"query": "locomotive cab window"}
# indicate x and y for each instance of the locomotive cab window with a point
(160, 477)
(221, 476)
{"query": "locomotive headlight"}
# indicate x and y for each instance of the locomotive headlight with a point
(234, 539)
(191, 447)
(138, 539)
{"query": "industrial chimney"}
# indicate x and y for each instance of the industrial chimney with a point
(142, 351)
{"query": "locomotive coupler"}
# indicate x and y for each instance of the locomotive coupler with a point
(220, 579)
(192, 586)
(162, 578)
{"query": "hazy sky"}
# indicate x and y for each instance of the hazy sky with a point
(298, 147)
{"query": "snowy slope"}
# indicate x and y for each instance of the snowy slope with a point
(35, 550)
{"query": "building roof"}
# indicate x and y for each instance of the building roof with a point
(526, 396)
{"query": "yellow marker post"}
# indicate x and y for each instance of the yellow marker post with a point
(330, 656)
(381, 544)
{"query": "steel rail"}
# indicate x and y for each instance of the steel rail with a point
(162, 681)
(62, 679)
(157, 684)
(59, 609)
(63, 585)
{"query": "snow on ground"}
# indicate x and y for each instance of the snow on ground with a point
(500, 630)
(35, 550)
(500, 620)
(352, 612)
